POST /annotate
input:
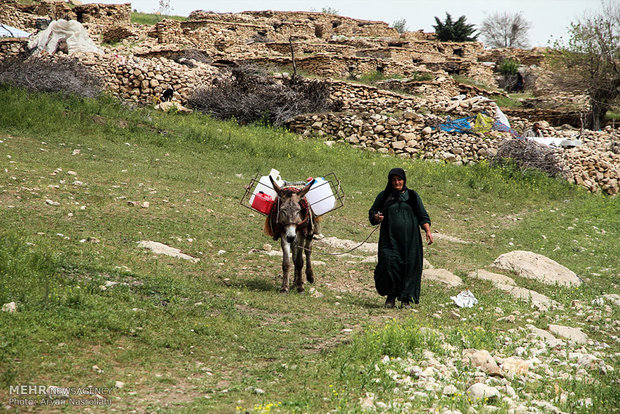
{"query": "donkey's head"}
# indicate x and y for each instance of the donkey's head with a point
(289, 213)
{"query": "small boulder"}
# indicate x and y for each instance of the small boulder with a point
(572, 334)
(442, 276)
(483, 360)
(538, 267)
(481, 391)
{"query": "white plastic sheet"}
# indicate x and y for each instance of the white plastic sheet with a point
(465, 299)
(75, 34)
(557, 142)
(501, 117)
(8, 31)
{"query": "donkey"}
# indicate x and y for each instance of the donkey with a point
(291, 220)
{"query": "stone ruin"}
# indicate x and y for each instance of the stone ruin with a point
(424, 78)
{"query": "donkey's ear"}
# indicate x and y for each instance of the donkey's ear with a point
(305, 190)
(276, 187)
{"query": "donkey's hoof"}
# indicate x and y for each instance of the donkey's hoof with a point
(300, 289)
(283, 290)
(310, 278)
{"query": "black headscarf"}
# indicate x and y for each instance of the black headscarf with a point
(390, 195)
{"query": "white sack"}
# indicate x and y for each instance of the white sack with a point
(73, 31)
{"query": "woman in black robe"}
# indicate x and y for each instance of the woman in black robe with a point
(401, 213)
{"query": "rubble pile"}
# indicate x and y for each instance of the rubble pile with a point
(596, 164)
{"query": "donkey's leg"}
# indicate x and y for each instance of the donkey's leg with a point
(309, 271)
(298, 258)
(286, 263)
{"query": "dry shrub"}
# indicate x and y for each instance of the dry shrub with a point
(250, 95)
(57, 74)
(530, 154)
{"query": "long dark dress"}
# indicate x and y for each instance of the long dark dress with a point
(399, 268)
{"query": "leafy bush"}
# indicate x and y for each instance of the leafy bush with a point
(63, 74)
(400, 25)
(330, 10)
(454, 31)
(509, 67)
(250, 95)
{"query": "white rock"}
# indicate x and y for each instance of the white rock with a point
(10, 307)
(443, 276)
(548, 337)
(613, 298)
(119, 384)
(483, 360)
(450, 390)
(160, 248)
(537, 300)
(572, 334)
(481, 391)
(515, 366)
(538, 267)
(494, 278)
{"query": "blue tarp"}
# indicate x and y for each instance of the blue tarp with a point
(457, 125)
(463, 125)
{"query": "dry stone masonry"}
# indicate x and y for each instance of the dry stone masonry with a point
(398, 116)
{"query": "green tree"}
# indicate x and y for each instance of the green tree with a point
(590, 61)
(454, 31)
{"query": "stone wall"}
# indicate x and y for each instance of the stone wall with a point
(143, 80)
(24, 16)
(281, 25)
(11, 46)
(594, 165)
(407, 135)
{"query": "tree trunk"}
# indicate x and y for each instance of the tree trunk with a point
(597, 114)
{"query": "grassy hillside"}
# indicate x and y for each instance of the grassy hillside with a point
(216, 336)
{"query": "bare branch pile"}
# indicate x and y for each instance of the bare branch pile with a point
(530, 155)
(60, 74)
(250, 95)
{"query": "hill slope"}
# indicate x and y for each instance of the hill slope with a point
(84, 181)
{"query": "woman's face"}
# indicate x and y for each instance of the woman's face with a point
(397, 182)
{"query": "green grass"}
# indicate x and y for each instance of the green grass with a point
(507, 102)
(207, 336)
(372, 78)
(612, 116)
(152, 18)
(473, 82)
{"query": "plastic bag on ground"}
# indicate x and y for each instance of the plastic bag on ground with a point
(465, 299)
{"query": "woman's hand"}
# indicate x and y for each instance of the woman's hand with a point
(427, 229)
(429, 237)
(378, 217)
